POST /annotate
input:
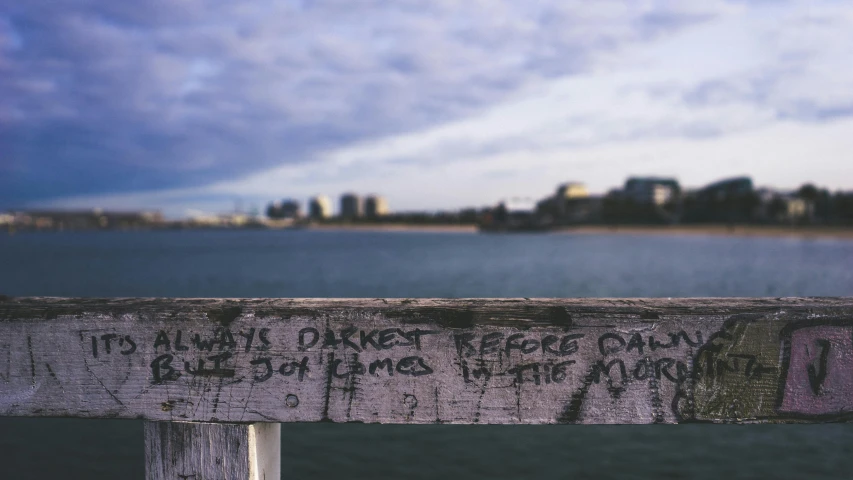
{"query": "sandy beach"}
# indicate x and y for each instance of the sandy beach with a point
(396, 228)
(809, 232)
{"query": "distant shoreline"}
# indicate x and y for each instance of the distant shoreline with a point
(777, 231)
(715, 230)
(393, 227)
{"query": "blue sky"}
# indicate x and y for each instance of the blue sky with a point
(187, 106)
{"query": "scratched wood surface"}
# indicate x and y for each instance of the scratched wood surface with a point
(429, 361)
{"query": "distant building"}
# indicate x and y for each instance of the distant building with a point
(728, 188)
(375, 206)
(320, 207)
(777, 207)
(645, 200)
(572, 190)
(570, 204)
(797, 208)
(651, 190)
(730, 200)
(351, 206)
(284, 209)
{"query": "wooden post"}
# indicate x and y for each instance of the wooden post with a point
(210, 451)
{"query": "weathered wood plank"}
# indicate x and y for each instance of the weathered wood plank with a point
(429, 361)
(212, 451)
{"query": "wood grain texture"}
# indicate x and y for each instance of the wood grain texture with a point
(212, 451)
(525, 361)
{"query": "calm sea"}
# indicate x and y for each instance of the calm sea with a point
(403, 264)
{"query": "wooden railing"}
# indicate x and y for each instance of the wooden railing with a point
(214, 378)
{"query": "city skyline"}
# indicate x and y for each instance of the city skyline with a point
(332, 206)
(435, 107)
(651, 200)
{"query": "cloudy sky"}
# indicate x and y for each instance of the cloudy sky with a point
(190, 105)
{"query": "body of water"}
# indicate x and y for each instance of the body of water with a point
(454, 265)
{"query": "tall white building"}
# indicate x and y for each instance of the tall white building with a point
(320, 207)
(375, 206)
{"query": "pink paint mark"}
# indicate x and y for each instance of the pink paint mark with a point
(820, 372)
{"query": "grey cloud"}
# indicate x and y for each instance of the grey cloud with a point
(122, 95)
(768, 90)
(805, 76)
